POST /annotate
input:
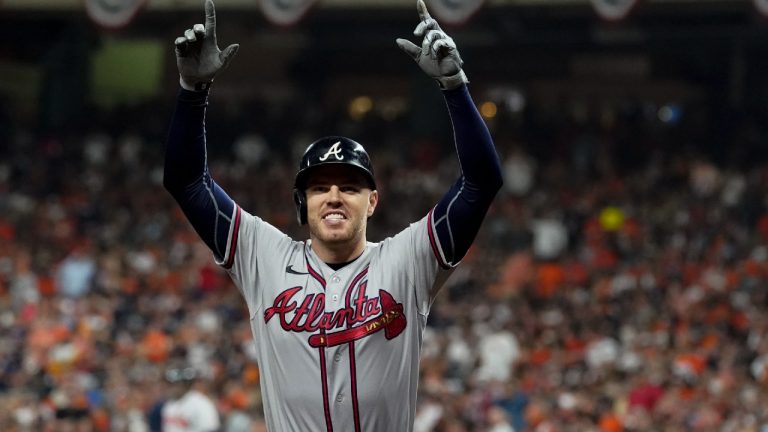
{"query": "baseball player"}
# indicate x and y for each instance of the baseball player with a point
(188, 409)
(337, 320)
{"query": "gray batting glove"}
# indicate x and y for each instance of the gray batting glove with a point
(198, 56)
(437, 56)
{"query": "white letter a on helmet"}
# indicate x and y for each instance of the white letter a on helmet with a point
(335, 150)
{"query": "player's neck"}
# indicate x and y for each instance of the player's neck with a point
(338, 253)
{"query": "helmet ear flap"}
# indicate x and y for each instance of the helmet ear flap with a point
(300, 199)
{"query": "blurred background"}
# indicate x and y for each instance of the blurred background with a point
(618, 282)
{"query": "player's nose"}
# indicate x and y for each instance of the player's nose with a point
(334, 194)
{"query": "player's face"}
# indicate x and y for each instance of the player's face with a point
(339, 203)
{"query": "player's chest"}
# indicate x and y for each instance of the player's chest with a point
(334, 307)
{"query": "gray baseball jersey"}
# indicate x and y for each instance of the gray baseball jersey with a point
(338, 350)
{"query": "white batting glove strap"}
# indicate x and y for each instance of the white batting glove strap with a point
(198, 86)
(453, 81)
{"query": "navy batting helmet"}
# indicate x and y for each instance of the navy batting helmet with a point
(332, 150)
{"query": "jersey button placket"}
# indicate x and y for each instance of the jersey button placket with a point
(333, 287)
(340, 398)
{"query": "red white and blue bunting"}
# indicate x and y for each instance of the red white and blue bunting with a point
(113, 14)
(454, 12)
(285, 12)
(613, 10)
(762, 6)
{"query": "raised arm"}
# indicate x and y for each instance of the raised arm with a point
(186, 176)
(458, 215)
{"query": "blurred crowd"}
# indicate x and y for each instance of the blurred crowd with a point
(618, 282)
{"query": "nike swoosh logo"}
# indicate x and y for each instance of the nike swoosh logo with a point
(289, 269)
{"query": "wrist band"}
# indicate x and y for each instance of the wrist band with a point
(453, 81)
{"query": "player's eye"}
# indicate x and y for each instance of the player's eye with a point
(350, 189)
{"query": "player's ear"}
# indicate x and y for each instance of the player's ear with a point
(373, 200)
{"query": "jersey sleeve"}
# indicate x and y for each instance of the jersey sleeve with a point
(254, 250)
(416, 253)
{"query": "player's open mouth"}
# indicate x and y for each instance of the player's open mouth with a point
(334, 217)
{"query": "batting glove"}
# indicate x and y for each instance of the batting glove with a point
(198, 56)
(437, 56)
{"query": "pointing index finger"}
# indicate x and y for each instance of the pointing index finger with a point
(210, 19)
(423, 12)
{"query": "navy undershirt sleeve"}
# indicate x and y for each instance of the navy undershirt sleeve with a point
(460, 212)
(207, 207)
